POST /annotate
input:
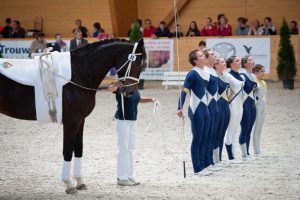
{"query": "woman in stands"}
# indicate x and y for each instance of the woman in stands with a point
(249, 110)
(235, 100)
(195, 84)
(224, 111)
(193, 30)
(260, 96)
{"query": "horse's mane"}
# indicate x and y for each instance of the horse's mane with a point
(103, 43)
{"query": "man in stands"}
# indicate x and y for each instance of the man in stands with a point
(209, 29)
(83, 29)
(7, 29)
(78, 41)
(149, 30)
(162, 31)
(18, 31)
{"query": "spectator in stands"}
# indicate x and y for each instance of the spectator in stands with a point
(177, 31)
(102, 36)
(193, 30)
(254, 26)
(59, 42)
(18, 31)
(7, 29)
(149, 30)
(38, 45)
(209, 29)
(293, 28)
(78, 41)
(224, 28)
(137, 22)
(98, 29)
(268, 28)
(242, 28)
(83, 29)
(162, 30)
(202, 45)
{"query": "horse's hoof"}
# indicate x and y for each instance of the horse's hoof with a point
(71, 190)
(81, 187)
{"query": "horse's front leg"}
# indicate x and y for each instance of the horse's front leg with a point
(78, 150)
(71, 130)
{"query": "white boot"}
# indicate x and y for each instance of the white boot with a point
(77, 174)
(203, 172)
(65, 177)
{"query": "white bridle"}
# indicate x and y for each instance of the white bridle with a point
(131, 58)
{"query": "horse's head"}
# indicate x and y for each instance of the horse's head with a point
(130, 70)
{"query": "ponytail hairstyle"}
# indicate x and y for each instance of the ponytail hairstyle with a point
(229, 61)
(244, 60)
(193, 57)
(257, 68)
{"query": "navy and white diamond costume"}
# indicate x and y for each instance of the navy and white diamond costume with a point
(195, 83)
(249, 111)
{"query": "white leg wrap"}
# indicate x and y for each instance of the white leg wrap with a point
(65, 173)
(77, 167)
(244, 150)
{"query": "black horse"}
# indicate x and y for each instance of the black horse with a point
(89, 65)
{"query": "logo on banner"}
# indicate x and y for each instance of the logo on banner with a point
(6, 65)
(248, 49)
(225, 49)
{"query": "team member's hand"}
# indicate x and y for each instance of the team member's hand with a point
(180, 113)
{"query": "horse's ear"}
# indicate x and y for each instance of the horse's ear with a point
(141, 42)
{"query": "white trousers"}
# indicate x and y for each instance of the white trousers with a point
(257, 128)
(233, 130)
(126, 130)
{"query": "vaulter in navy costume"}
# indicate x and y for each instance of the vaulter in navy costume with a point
(249, 109)
(223, 116)
(212, 97)
(235, 99)
(195, 83)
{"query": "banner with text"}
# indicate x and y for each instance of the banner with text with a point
(259, 48)
(159, 58)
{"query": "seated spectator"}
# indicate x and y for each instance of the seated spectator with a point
(242, 28)
(102, 36)
(7, 29)
(149, 30)
(177, 31)
(59, 42)
(254, 26)
(78, 41)
(83, 29)
(224, 29)
(202, 45)
(162, 30)
(293, 28)
(209, 29)
(38, 45)
(193, 30)
(136, 22)
(18, 31)
(98, 29)
(268, 28)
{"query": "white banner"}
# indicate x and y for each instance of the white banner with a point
(19, 48)
(160, 58)
(259, 48)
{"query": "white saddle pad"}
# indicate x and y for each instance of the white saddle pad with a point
(26, 72)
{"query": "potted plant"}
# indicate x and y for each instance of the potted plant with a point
(286, 68)
(135, 35)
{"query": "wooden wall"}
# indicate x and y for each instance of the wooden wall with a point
(59, 15)
(198, 10)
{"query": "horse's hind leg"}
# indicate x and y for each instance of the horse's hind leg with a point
(78, 150)
(70, 134)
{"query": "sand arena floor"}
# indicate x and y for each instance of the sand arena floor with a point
(31, 155)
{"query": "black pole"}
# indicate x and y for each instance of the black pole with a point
(184, 172)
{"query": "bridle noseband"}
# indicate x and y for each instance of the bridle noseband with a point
(131, 58)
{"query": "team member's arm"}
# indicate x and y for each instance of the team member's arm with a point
(185, 90)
